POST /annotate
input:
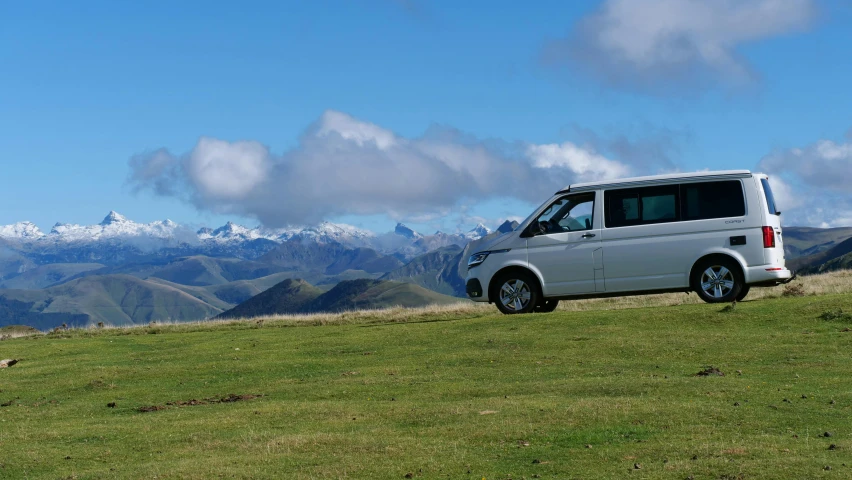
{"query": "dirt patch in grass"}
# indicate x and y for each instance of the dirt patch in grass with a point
(793, 290)
(230, 398)
(151, 408)
(836, 315)
(710, 371)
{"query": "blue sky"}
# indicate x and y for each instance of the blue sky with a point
(438, 114)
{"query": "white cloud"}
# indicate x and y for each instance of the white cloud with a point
(352, 129)
(823, 164)
(812, 184)
(227, 171)
(651, 42)
(588, 166)
(346, 166)
(786, 198)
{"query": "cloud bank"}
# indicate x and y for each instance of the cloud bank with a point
(346, 166)
(657, 44)
(814, 182)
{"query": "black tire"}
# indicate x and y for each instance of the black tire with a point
(717, 280)
(743, 293)
(546, 306)
(516, 292)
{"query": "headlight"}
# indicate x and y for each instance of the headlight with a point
(480, 257)
(476, 259)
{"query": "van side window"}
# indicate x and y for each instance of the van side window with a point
(712, 200)
(638, 206)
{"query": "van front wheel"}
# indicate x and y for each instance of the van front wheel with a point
(717, 280)
(517, 292)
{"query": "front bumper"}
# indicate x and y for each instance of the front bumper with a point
(474, 289)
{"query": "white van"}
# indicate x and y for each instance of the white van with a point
(715, 233)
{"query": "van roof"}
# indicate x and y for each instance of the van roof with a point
(719, 174)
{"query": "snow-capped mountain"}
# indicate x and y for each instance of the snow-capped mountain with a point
(477, 232)
(231, 233)
(20, 230)
(113, 226)
(118, 239)
(327, 232)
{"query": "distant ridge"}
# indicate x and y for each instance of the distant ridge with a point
(298, 296)
(838, 257)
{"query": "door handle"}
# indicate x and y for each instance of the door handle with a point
(588, 235)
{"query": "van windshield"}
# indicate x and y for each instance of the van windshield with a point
(770, 199)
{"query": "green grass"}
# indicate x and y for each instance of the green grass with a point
(563, 395)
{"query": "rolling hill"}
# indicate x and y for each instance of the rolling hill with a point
(195, 270)
(201, 270)
(112, 299)
(291, 295)
(297, 296)
(837, 257)
(44, 276)
(805, 241)
(372, 294)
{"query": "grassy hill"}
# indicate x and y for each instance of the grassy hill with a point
(842, 262)
(12, 263)
(289, 296)
(837, 257)
(17, 330)
(197, 270)
(298, 296)
(455, 392)
(112, 299)
(803, 241)
(46, 275)
(201, 270)
(374, 294)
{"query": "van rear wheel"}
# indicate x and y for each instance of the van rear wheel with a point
(717, 280)
(517, 292)
(743, 293)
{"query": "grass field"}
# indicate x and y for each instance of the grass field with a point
(596, 389)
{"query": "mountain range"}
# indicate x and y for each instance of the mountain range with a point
(168, 234)
(122, 272)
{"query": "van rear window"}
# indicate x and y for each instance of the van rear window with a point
(770, 199)
(705, 200)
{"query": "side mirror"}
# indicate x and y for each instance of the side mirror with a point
(533, 229)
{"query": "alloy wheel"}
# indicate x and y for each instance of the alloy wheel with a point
(717, 281)
(515, 295)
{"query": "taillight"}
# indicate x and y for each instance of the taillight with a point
(768, 237)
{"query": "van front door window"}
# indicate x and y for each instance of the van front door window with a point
(567, 214)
